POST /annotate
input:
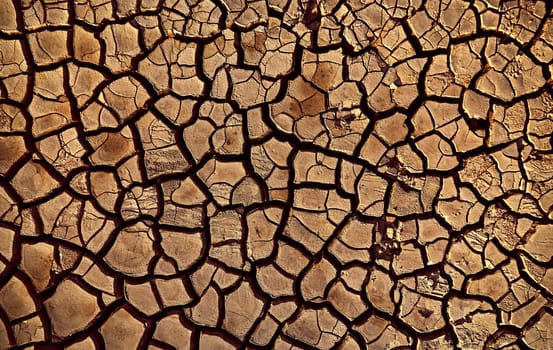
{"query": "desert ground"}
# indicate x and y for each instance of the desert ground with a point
(279, 174)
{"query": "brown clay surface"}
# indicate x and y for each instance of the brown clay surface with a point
(288, 174)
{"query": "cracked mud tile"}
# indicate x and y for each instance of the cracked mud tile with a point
(512, 73)
(48, 46)
(269, 160)
(70, 309)
(167, 327)
(473, 321)
(45, 13)
(419, 311)
(377, 333)
(121, 43)
(50, 107)
(439, 80)
(132, 250)
(242, 309)
(438, 22)
(287, 174)
(122, 330)
(171, 67)
(33, 182)
(317, 328)
(277, 279)
(298, 113)
(314, 217)
(261, 227)
(117, 102)
(249, 88)
(271, 48)
(14, 71)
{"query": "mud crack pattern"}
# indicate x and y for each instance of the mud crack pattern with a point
(288, 174)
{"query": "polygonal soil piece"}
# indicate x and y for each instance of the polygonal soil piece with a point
(12, 148)
(122, 331)
(37, 262)
(317, 328)
(132, 250)
(242, 308)
(186, 248)
(33, 182)
(71, 308)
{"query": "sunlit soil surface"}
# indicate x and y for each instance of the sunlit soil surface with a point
(288, 174)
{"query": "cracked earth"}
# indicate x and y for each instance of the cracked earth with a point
(288, 174)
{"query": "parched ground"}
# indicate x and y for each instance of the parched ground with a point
(288, 174)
